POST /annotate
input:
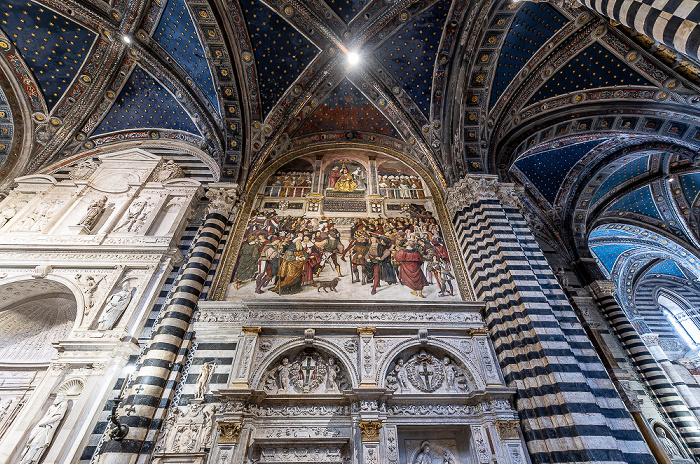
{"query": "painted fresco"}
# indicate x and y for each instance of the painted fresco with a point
(348, 237)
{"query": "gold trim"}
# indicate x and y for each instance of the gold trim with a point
(251, 330)
(230, 253)
(370, 429)
(366, 330)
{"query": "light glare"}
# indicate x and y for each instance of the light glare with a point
(353, 58)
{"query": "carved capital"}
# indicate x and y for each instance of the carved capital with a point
(650, 339)
(370, 429)
(479, 331)
(510, 195)
(602, 288)
(229, 432)
(366, 330)
(221, 201)
(508, 429)
(469, 190)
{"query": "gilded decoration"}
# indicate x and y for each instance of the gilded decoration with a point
(229, 432)
(370, 429)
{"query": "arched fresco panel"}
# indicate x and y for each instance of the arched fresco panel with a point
(346, 224)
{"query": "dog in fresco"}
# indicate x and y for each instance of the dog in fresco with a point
(325, 285)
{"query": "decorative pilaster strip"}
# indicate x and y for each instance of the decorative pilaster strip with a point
(663, 391)
(249, 339)
(565, 398)
(367, 371)
(166, 342)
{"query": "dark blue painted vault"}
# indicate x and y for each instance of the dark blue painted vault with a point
(622, 175)
(690, 183)
(640, 201)
(534, 24)
(410, 53)
(546, 171)
(53, 47)
(177, 34)
(347, 9)
(281, 52)
(607, 254)
(144, 103)
(348, 110)
(667, 267)
(593, 68)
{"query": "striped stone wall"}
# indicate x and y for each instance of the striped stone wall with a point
(169, 343)
(568, 406)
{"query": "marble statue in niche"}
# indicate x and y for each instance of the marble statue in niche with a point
(202, 383)
(89, 284)
(308, 372)
(93, 213)
(115, 306)
(431, 452)
(671, 448)
(43, 432)
(424, 372)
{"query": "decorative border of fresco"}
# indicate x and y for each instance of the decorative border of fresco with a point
(230, 252)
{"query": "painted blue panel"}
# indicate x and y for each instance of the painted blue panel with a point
(53, 47)
(532, 26)
(7, 127)
(144, 103)
(547, 170)
(594, 67)
(640, 201)
(410, 53)
(625, 173)
(177, 34)
(281, 52)
(608, 254)
(667, 267)
(347, 9)
(347, 109)
(690, 183)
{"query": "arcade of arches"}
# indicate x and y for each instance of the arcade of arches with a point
(349, 231)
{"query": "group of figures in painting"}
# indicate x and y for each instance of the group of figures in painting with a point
(287, 254)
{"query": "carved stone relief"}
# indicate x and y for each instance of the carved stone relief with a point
(431, 452)
(307, 372)
(116, 304)
(424, 372)
(189, 429)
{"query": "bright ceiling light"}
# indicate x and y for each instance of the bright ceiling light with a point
(353, 58)
(126, 39)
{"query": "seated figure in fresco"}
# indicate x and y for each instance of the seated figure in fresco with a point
(345, 183)
(291, 272)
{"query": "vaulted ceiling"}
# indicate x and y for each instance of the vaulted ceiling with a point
(598, 122)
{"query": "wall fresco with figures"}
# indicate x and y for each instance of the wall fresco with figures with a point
(359, 227)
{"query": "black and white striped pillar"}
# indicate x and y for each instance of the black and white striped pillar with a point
(671, 22)
(154, 369)
(565, 398)
(663, 391)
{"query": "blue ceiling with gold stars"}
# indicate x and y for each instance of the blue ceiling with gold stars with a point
(348, 110)
(690, 183)
(281, 52)
(640, 201)
(547, 170)
(607, 254)
(144, 103)
(622, 175)
(534, 24)
(177, 34)
(347, 9)
(410, 53)
(53, 47)
(593, 68)
(667, 267)
(7, 129)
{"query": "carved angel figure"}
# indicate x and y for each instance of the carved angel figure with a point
(43, 432)
(116, 304)
(129, 222)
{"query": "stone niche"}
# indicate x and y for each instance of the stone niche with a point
(358, 382)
